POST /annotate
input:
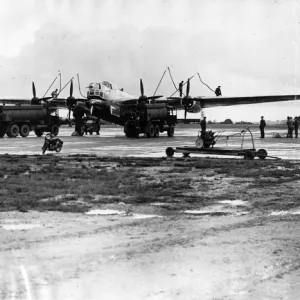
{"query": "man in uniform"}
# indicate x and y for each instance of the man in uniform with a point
(290, 124)
(54, 94)
(262, 126)
(218, 91)
(296, 124)
(203, 127)
(180, 88)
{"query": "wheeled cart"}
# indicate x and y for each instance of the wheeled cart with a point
(203, 148)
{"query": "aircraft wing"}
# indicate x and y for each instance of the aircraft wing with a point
(119, 102)
(206, 102)
(228, 101)
(14, 101)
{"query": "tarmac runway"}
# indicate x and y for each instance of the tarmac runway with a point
(112, 142)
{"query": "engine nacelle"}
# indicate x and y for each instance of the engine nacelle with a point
(190, 105)
(195, 108)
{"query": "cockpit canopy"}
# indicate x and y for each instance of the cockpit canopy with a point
(93, 85)
(98, 86)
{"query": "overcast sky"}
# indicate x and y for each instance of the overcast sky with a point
(247, 47)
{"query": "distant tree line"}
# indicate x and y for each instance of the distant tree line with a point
(228, 121)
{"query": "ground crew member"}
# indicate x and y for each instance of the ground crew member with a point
(98, 126)
(218, 91)
(262, 126)
(296, 124)
(180, 88)
(290, 127)
(54, 94)
(203, 128)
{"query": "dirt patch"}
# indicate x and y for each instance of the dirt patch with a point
(86, 227)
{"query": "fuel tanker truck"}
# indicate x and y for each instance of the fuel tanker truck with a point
(149, 118)
(21, 119)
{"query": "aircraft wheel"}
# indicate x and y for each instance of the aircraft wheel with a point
(38, 132)
(55, 129)
(249, 155)
(170, 151)
(262, 153)
(156, 131)
(81, 130)
(2, 132)
(171, 130)
(151, 131)
(13, 131)
(24, 130)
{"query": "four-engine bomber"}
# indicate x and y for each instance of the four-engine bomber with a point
(21, 119)
(151, 119)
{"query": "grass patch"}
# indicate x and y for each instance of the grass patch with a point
(25, 181)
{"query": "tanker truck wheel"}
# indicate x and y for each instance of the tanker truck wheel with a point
(24, 130)
(156, 131)
(13, 130)
(55, 129)
(171, 131)
(151, 131)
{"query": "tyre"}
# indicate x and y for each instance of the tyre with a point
(171, 130)
(58, 149)
(2, 132)
(44, 149)
(262, 153)
(55, 129)
(130, 130)
(170, 151)
(199, 143)
(151, 131)
(38, 132)
(156, 131)
(24, 130)
(81, 130)
(13, 130)
(249, 155)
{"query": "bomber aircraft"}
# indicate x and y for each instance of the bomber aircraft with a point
(105, 101)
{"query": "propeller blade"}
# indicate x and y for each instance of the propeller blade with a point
(46, 98)
(69, 114)
(188, 88)
(174, 98)
(33, 90)
(71, 88)
(153, 97)
(185, 111)
(142, 87)
(92, 109)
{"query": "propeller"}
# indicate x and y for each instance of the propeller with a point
(142, 87)
(143, 97)
(71, 101)
(186, 101)
(35, 99)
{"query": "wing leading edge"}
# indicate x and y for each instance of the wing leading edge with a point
(228, 101)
